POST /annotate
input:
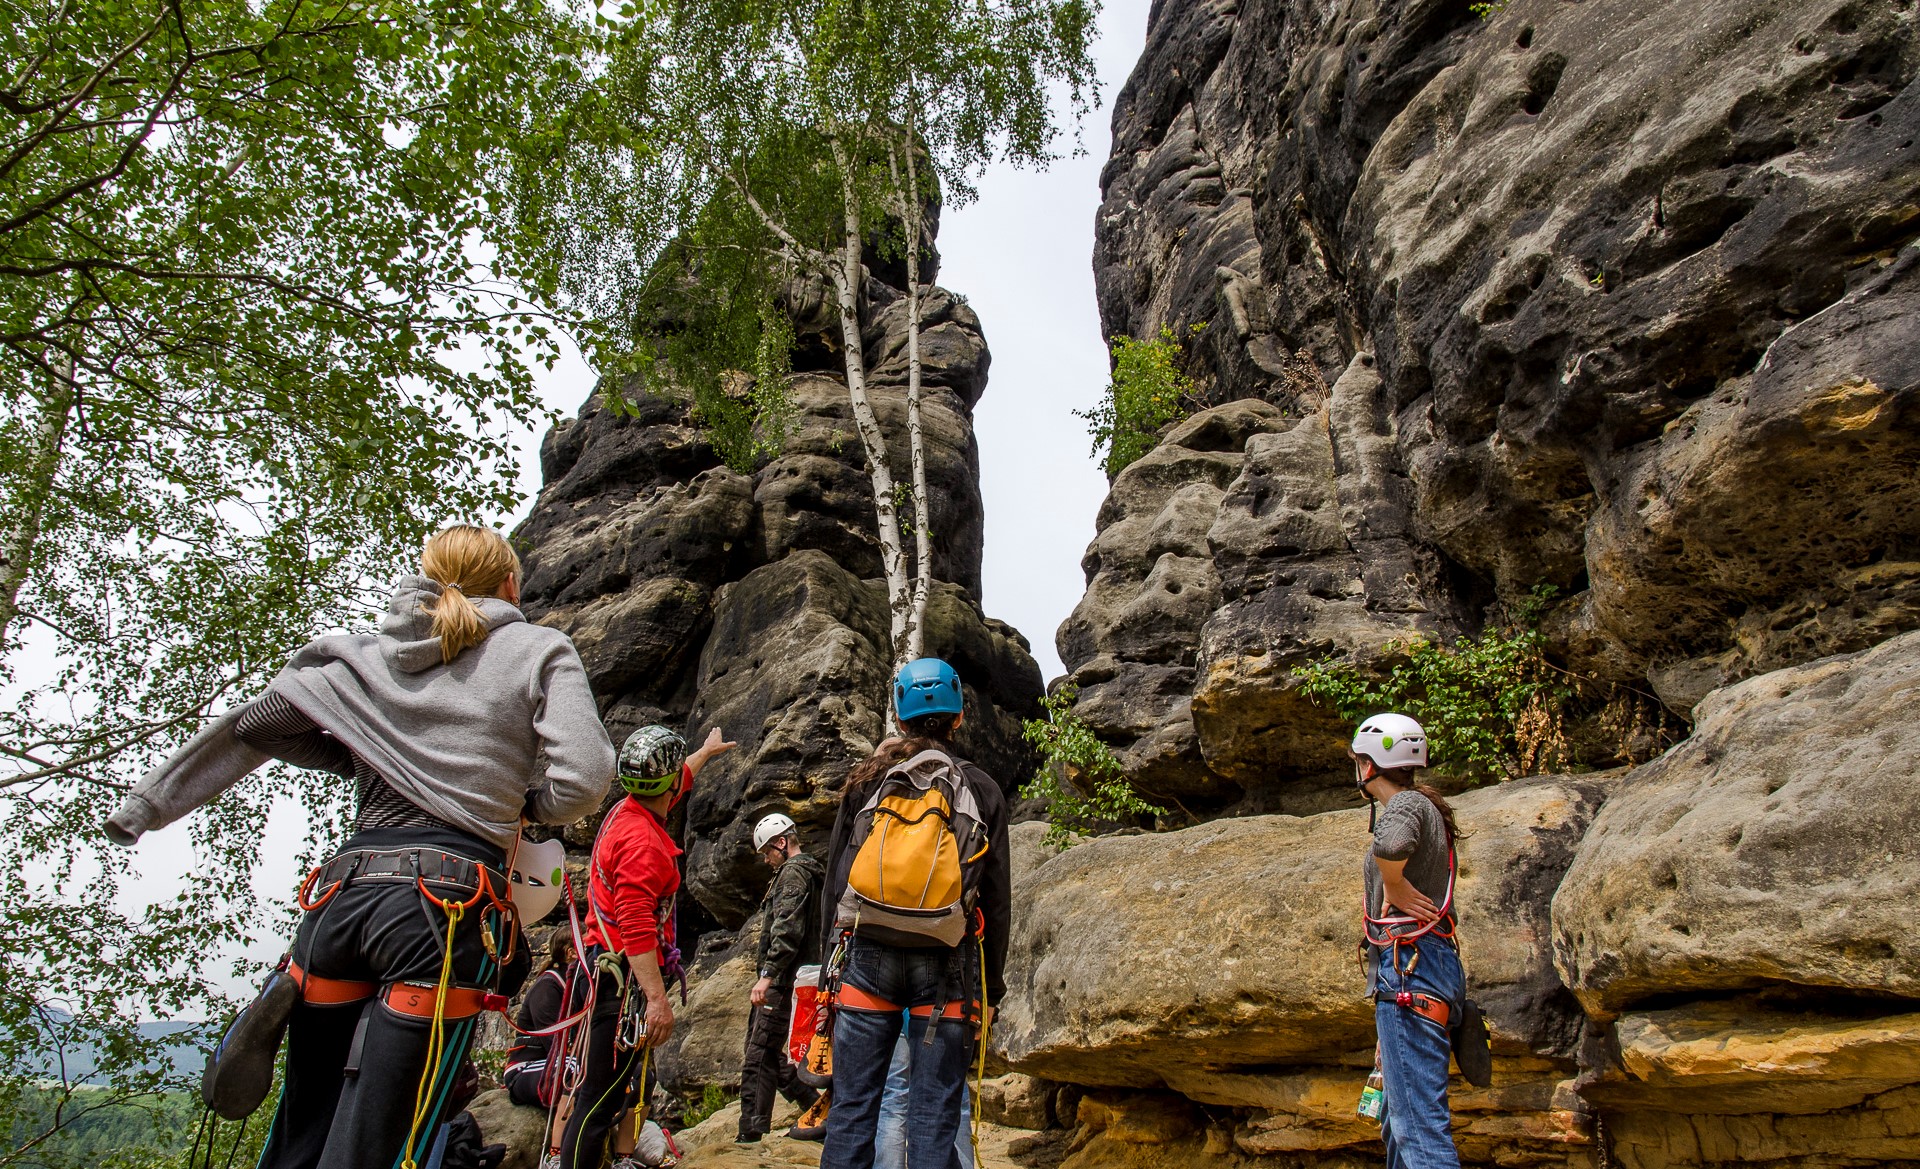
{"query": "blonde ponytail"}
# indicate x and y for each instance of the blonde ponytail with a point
(467, 561)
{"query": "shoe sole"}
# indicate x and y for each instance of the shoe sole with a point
(239, 1073)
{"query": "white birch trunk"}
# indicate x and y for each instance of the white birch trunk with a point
(23, 531)
(916, 637)
(846, 273)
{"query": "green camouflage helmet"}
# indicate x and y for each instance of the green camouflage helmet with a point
(650, 761)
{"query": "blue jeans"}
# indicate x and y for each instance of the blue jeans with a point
(1414, 1052)
(863, 1047)
(891, 1150)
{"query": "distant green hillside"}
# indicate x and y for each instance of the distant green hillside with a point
(156, 1132)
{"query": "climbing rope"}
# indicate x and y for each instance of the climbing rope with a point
(980, 1066)
(437, 1029)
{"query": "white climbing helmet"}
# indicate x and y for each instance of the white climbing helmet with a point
(1391, 740)
(769, 829)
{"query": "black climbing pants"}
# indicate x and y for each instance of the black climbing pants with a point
(607, 1076)
(354, 1071)
(767, 1067)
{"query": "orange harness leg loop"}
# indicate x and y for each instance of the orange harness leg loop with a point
(853, 998)
(1420, 1004)
(415, 1000)
(328, 992)
(957, 1009)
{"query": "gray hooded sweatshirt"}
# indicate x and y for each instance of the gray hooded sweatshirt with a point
(506, 728)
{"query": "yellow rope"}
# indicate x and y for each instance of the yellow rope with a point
(980, 1069)
(436, 1037)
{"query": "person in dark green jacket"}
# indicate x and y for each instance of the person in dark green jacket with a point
(789, 935)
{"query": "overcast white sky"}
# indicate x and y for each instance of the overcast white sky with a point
(1022, 255)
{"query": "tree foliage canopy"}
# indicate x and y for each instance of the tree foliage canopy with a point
(272, 275)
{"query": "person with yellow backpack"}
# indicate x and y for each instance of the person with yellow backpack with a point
(919, 893)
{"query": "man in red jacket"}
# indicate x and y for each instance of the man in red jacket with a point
(631, 956)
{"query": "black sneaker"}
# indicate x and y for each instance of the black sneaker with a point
(748, 1138)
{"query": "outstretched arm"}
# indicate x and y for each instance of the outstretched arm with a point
(716, 744)
(210, 763)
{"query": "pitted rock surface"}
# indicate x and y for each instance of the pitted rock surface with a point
(1766, 851)
(1218, 962)
(700, 596)
(1616, 297)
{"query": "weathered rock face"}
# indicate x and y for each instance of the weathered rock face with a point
(700, 596)
(1775, 848)
(1218, 962)
(1250, 540)
(1704, 961)
(1616, 297)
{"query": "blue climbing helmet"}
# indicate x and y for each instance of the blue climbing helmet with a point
(926, 686)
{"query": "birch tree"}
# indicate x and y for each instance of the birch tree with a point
(806, 123)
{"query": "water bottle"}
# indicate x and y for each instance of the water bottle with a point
(1373, 1097)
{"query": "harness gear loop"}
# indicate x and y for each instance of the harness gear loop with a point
(300, 894)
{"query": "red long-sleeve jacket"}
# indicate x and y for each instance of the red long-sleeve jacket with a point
(632, 881)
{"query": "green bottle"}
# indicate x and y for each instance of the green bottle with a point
(1373, 1097)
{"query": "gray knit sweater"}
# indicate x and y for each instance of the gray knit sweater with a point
(508, 727)
(1410, 829)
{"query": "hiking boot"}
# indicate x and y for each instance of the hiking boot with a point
(748, 1138)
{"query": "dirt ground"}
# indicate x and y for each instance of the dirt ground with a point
(710, 1145)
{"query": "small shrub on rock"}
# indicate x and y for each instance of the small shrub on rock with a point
(1493, 706)
(1147, 392)
(1080, 779)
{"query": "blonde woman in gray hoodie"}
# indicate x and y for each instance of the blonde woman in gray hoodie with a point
(456, 721)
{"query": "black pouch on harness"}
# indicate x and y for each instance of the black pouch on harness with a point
(1472, 1048)
(240, 1071)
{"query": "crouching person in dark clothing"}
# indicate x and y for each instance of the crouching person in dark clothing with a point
(789, 934)
(535, 1071)
(919, 888)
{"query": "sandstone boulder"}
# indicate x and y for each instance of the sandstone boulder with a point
(1142, 961)
(708, 1045)
(1766, 850)
(1017, 1101)
(522, 1130)
(1738, 1057)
